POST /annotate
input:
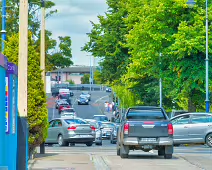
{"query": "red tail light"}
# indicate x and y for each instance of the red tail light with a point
(170, 129)
(60, 107)
(72, 128)
(68, 106)
(93, 128)
(126, 128)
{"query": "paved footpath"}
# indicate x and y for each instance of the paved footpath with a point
(75, 158)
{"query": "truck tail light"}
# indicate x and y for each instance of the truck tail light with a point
(126, 128)
(72, 128)
(170, 129)
(93, 128)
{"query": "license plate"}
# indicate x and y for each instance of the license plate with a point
(148, 140)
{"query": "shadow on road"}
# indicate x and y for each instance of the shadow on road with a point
(142, 156)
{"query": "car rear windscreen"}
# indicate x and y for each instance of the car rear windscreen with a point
(154, 114)
(75, 121)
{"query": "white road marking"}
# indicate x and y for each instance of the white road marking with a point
(101, 98)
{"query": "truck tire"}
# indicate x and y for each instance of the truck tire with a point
(161, 152)
(124, 151)
(168, 156)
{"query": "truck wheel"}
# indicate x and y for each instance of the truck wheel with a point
(168, 156)
(124, 151)
(118, 151)
(161, 152)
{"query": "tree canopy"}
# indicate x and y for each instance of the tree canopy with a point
(144, 40)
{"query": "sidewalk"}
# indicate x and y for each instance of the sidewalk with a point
(61, 162)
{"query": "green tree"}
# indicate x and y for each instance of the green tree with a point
(37, 108)
(85, 79)
(62, 57)
(71, 81)
(172, 29)
(106, 39)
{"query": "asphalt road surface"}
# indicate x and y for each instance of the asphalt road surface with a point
(104, 157)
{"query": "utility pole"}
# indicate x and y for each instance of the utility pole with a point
(90, 79)
(42, 57)
(3, 31)
(23, 58)
(22, 135)
(42, 44)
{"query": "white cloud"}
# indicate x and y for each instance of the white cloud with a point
(73, 19)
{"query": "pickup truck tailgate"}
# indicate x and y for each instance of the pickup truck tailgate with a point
(148, 129)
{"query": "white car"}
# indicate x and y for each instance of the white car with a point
(86, 94)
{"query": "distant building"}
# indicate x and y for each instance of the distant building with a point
(70, 73)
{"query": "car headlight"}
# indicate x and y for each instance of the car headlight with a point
(86, 100)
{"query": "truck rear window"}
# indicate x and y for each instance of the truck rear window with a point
(145, 114)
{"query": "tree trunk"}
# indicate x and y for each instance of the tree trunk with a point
(191, 105)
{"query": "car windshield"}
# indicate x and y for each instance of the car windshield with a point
(64, 104)
(107, 125)
(85, 93)
(64, 96)
(101, 118)
(155, 114)
(75, 121)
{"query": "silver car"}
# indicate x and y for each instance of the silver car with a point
(98, 130)
(107, 128)
(86, 94)
(63, 131)
(193, 128)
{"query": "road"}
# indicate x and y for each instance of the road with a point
(80, 157)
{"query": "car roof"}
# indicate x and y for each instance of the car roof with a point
(145, 107)
(192, 113)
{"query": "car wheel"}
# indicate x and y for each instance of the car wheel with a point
(168, 156)
(72, 144)
(209, 140)
(61, 141)
(89, 143)
(124, 151)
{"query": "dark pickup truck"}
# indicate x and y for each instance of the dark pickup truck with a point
(145, 128)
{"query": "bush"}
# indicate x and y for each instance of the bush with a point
(37, 108)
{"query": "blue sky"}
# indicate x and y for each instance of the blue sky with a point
(73, 19)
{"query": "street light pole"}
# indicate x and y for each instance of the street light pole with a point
(3, 31)
(90, 73)
(160, 83)
(42, 43)
(207, 61)
(207, 101)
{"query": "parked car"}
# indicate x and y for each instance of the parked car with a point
(113, 134)
(86, 94)
(98, 130)
(63, 106)
(192, 128)
(107, 128)
(145, 128)
(63, 131)
(83, 100)
(101, 118)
